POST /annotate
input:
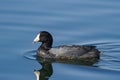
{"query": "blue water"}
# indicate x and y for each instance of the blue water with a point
(94, 22)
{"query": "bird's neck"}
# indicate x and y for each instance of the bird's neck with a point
(46, 45)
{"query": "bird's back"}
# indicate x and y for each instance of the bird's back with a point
(72, 50)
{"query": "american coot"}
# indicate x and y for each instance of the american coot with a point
(66, 52)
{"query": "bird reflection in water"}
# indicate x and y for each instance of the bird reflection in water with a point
(46, 71)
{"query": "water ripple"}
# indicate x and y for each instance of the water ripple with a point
(110, 56)
(30, 54)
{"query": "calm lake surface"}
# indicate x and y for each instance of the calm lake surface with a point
(83, 22)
